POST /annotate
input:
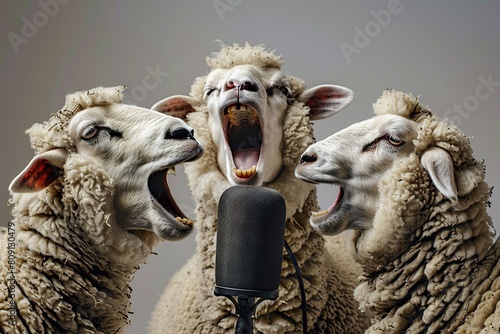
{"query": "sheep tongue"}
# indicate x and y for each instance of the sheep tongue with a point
(245, 159)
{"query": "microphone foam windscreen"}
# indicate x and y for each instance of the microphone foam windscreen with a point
(250, 237)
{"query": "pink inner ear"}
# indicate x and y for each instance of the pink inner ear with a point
(324, 97)
(40, 175)
(178, 105)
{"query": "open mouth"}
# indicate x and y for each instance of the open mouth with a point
(158, 187)
(317, 217)
(244, 137)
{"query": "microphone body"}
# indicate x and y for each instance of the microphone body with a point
(250, 238)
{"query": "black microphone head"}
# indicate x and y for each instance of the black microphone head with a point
(250, 238)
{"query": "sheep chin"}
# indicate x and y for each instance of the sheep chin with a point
(169, 228)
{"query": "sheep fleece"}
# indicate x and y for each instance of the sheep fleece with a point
(188, 304)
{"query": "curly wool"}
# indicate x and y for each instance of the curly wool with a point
(427, 262)
(61, 275)
(69, 276)
(230, 56)
(53, 132)
(329, 279)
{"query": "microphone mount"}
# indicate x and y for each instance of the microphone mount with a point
(245, 308)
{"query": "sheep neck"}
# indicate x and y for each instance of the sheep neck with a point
(431, 286)
(62, 272)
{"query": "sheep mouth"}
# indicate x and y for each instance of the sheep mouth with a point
(160, 192)
(318, 217)
(244, 138)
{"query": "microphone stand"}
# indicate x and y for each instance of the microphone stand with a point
(245, 306)
(245, 310)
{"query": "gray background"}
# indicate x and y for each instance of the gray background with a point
(439, 50)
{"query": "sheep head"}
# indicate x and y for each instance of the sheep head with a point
(391, 169)
(123, 151)
(246, 96)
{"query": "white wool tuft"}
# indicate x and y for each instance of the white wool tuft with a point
(52, 133)
(99, 96)
(234, 55)
(395, 102)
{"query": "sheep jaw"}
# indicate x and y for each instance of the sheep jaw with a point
(318, 217)
(165, 203)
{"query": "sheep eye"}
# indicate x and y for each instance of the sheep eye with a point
(285, 90)
(394, 141)
(209, 91)
(90, 132)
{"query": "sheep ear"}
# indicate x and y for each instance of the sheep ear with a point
(178, 106)
(42, 170)
(438, 163)
(326, 100)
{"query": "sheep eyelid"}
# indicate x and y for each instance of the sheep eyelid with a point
(370, 146)
(209, 91)
(283, 89)
(91, 133)
(393, 140)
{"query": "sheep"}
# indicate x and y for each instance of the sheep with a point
(88, 210)
(265, 116)
(417, 201)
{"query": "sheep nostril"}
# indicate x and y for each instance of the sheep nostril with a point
(248, 85)
(308, 158)
(180, 133)
(241, 86)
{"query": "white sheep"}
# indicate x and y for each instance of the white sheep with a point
(88, 210)
(417, 200)
(254, 123)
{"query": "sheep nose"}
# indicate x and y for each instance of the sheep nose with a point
(180, 133)
(243, 85)
(308, 158)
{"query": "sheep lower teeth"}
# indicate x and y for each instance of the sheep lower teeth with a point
(245, 173)
(321, 213)
(244, 114)
(184, 220)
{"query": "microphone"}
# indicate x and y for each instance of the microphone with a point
(249, 248)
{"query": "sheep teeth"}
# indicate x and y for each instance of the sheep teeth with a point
(184, 220)
(171, 171)
(318, 214)
(242, 114)
(245, 173)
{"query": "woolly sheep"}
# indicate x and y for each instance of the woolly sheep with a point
(88, 209)
(265, 116)
(417, 200)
